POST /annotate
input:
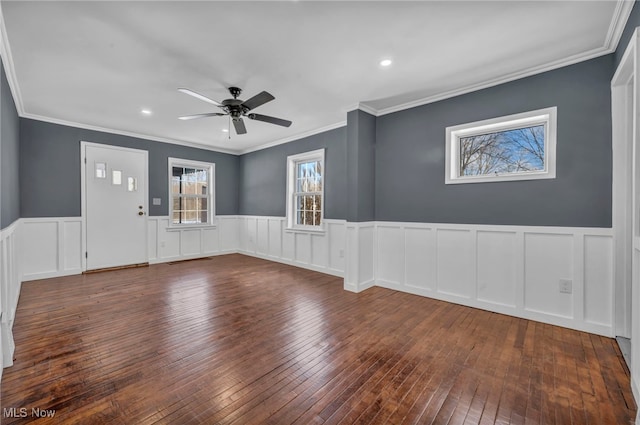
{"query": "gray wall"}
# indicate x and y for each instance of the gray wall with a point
(9, 151)
(407, 149)
(50, 169)
(361, 144)
(410, 152)
(264, 175)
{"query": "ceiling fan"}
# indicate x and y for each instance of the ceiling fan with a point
(237, 108)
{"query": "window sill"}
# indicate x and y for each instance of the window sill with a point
(320, 231)
(502, 177)
(177, 228)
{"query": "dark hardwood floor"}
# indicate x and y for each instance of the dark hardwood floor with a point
(239, 340)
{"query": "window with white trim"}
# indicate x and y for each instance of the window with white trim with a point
(305, 190)
(191, 198)
(514, 147)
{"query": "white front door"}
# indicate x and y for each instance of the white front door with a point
(115, 206)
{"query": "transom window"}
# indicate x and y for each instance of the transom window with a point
(191, 192)
(515, 147)
(305, 200)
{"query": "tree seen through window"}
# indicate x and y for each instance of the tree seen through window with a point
(518, 150)
(308, 193)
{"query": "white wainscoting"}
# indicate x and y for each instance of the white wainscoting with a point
(9, 290)
(50, 247)
(268, 238)
(514, 270)
(173, 244)
(360, 249)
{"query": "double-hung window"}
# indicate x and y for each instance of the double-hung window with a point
(515, 147)
(191, 198)
(305, 190)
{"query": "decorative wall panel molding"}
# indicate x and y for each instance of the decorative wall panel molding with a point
(515, 270)
(268, 238)
(360, 249)
(50, 247)
(174, 244)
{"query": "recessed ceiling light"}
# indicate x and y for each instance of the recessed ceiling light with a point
(385, 62)
(145, 111)
(224, 130)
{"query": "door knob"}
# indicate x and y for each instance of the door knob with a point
(140, 212)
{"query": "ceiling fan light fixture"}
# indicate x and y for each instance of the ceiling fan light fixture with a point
(236, 108)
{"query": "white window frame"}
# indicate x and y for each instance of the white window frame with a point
(547, 116)
(292, 161)
(211, 212)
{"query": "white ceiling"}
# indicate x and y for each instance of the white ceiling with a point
(97, 64)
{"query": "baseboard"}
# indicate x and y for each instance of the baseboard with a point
(636, 395)
(325, 270)
(542, 317)
(191, 257)
(48, 275)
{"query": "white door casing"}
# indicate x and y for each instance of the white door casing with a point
(114, 206)
(625, 102)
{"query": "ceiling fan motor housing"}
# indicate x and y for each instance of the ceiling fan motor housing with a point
(233, 107)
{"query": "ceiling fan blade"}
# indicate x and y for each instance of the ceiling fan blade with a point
(270, 120)
(199, 96)
(192, 117)
(239, 125)
(257, 100)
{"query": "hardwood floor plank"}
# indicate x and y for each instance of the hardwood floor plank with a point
(242, 341)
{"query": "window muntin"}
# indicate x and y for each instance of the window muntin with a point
(305, 175)
(190, 192)
(516, 147)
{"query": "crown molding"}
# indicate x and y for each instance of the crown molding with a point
(130, 134)
(614, 33)
(363, 107)
(7, 59)
(571, 60)
(618, 22)
(294, 137)
(9, 69)
(368, 109)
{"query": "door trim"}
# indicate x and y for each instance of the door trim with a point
(625, 104)
(622, 196)
(83, 188)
